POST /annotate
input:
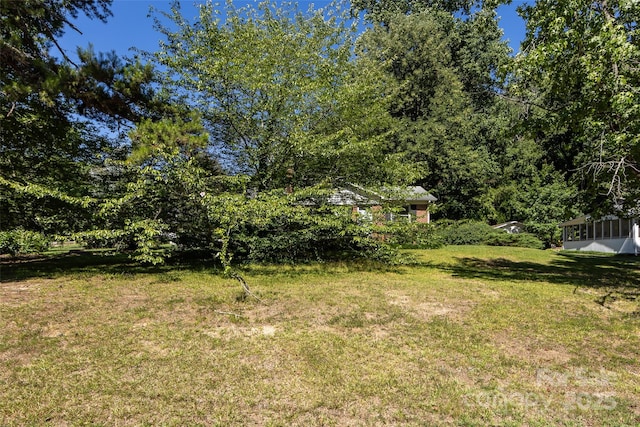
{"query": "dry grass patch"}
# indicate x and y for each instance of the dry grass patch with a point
(16, 293)
(425, 310)
(453, 340)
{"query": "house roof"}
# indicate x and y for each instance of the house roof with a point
(508, 224)
(344, 196)
(419, 194)
(582, 219)
(355, 195)
(575, 221)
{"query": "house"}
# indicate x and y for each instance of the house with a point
(511, 227)
(412, 202)
(608, 234)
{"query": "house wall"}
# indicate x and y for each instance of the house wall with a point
(422, 214)
(376, 214)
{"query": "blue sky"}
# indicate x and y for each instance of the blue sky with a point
(131, 26)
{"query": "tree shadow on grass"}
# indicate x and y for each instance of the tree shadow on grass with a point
(75, 262)
(100, 262)
(615, 276)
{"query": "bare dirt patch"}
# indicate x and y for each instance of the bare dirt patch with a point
(56, 330)
(531, 350)
(426, 310)
(17, 293)
(235, 331)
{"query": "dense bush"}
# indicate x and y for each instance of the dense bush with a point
(310, 236)
(412, 235)
(8, 243)
(480, 233)
(463, 232)
(549, 233)
(293, 247)
(21, 241)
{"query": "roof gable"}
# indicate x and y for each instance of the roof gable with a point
(352, 194)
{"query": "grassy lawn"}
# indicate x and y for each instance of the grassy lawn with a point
(466, 336)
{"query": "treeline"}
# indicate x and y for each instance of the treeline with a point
(229, 138)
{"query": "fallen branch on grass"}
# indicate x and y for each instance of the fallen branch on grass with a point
(245, 287)
(230, 313)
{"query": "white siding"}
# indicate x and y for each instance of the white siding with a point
(615, 246)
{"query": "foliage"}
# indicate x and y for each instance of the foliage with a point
(104, 239)
(280, 94)
(301, 227)
(444, 98)
(458, 120)
(32, 24)
(101, 86)
(288, 103)
(175, 193)
(411, 235)
(53, 114)
(529, 190)
(20, 241)
(8, 243)
(463, 232)
(578, 74)
(380, 10)
(522, 240)
(480, 233)
(141, 238)
(548, 232)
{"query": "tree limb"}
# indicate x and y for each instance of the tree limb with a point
(245, 287)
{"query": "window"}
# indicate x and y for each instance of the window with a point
(574, 232)
(589, 227)
(606, 229)
(625, 228)
(615, 228)
(598, 227)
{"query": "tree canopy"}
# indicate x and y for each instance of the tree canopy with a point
(281, 89)
(578, 73)
(228, 138)
(51, 112)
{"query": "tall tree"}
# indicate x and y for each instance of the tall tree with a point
(381, 10)
(51, 110)
(579, 74)
(279, 91)
(29, 70)
(445, 97)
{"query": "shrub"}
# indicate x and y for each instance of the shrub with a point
(480, 233)
(21, 241)
(549, 233)
(8, 243)
(464, 232)
(412, 235)
(309, 237)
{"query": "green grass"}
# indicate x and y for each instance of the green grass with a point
(464, 336)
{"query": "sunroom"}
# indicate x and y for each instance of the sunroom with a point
(609, 234)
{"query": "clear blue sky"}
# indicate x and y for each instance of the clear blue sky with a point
(131, 26)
